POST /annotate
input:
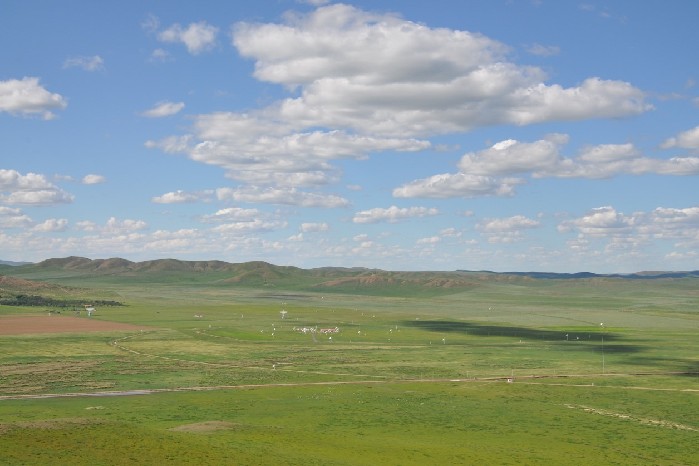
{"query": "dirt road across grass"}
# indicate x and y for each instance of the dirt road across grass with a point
(19, 325)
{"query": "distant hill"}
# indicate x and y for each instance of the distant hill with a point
(325, 279)
(13, 263)
(579, 275)
(253, 273)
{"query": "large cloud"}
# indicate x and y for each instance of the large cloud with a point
(490, 171)
(458, 185)
(543, 158)
(27, 97)
(263, 154)
(380, 74)
(606, 160)
(254, 151)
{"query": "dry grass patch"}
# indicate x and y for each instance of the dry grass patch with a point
(49, 368)
(33, 377)
(49, 424)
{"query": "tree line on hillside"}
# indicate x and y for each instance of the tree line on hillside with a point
(34, 300)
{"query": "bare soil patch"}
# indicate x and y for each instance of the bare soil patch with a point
(646, 421)
(18, 325)
(207, 426)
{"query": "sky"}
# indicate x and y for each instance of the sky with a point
(503, 135)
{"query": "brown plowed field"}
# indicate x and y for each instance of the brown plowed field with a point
(16, 325)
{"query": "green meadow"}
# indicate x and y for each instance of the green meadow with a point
(506, 371)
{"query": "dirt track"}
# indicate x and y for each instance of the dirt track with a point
(19, 325)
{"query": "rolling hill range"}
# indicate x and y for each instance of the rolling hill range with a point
(247, 274)
(326, 279)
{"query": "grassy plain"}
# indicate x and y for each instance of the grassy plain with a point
(217, 376)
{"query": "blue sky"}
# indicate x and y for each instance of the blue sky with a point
(500, 135)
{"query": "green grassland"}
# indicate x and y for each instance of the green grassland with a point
(217, 375)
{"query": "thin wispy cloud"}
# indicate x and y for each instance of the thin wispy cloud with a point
(393, 214)
(163, 109)
(94, 179)
(543, 50)
(197, 37)
(93, 63)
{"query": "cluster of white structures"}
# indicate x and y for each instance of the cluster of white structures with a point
(317, 330)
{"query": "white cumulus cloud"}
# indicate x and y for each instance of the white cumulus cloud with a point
(429, 240)
(513, 157)
(113, 227)
(26, 97)
(633, 232)
(506, 230)
(11, 217)
(686, 140)
(514, 223)
(601, 221)
(51, 225)
(30, 189)
(256, 225)
(182, 197)
(93, 179)
(259, 152)
(197, 37)
(233, 213)
(491, 171)
(399, 77)
(314, 227)
(464, 185)
(282, 196)
(393, 214)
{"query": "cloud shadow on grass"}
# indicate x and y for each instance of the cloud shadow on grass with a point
(471, 328)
